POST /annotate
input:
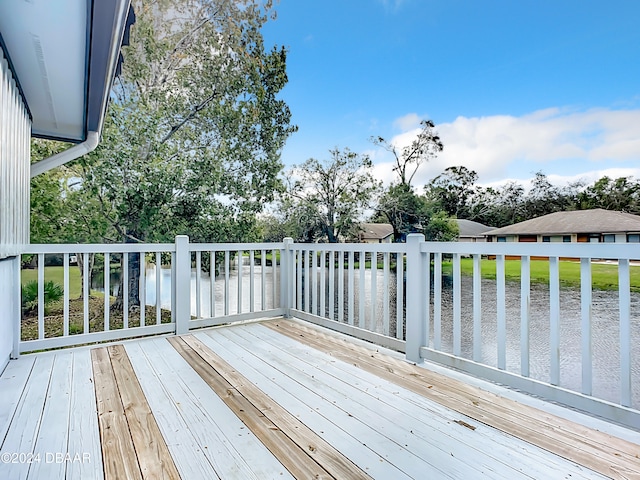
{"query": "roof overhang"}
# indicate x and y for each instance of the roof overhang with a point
(64, 55)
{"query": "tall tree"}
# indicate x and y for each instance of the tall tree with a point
(453, 190)
(193, 137)
(402, 208)
(408, 160)
(334, 193)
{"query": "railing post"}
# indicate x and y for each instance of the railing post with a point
(415, 318)
(16, 313)
(182, 284)
(286, 276)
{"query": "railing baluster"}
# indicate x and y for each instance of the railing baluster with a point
(263, 265)
(226, 282)
(437, 301)
(426, 271)
(350, 289)
(307, 282)
(85, 292)
(502, 313)
(477, 308)
(41, 295)
(212, 282)
(158, 288)
(385, 295)
(107, 290)
(554, 319)
(239, 254)
(341, 286)
(585, 327)
(400, 296)
(332, 285)
(323, 283)
(173, 289)
(361, 267)
(142, 288)
(198, 283)
(625, 331)
(274, 262)
(525, 313)
(251, 282)
(299, 285)
(314, 283)
(457, 322)
(373, 323)
(65, 287)
(125, 292)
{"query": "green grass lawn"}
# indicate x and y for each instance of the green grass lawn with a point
(603, 276)
(56, 274)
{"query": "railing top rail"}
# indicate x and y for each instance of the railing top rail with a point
(204, 247)
(624, 251)
(99, 248)
(352, 247)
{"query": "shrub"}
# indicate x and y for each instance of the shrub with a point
(52, 293)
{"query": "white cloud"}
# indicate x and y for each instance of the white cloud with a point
(561, 142)
(408, 122)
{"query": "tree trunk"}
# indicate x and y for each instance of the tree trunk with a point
(133, 281)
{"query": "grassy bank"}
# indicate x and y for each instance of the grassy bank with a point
(604, 276)
(56, 274)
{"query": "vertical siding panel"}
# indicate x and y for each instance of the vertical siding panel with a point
(14, 166)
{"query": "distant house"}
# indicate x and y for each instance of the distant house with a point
(596, 225)
(375, 233)
(470, 231)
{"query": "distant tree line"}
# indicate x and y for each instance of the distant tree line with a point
(457, 194)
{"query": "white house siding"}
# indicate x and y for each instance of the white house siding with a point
(15, 134)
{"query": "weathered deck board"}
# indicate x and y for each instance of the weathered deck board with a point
(430, 433)
(205, 437)
(118, 452)
(151, 450)
(53, 431)
(428, 421)
(296, 384)
(313, 445)
(272, 436)
(603, 453)
(23, 431)
(84, 433)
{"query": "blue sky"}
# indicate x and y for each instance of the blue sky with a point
(514, 86)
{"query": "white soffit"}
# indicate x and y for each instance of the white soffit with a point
(47, 42)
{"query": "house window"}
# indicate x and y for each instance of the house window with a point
(609, 238)
(546, 238)
(594, 238)
(633, 238)
(501, 239)
(566, 238)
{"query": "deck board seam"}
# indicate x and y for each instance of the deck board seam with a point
(272, 340)
(619, 466)
(273, 413)
(416, 451)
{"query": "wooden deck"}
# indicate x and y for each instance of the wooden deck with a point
(278, 399)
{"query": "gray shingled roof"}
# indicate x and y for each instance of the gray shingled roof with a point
(376, 231)
(469, 228)
(578, 221)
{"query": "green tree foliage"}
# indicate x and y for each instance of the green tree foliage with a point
(622, 194)
(453, 190)
(328, 197)
(192, 141)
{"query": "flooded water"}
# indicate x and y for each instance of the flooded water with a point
(605, 320)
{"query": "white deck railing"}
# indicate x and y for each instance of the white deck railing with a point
(415, 298)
